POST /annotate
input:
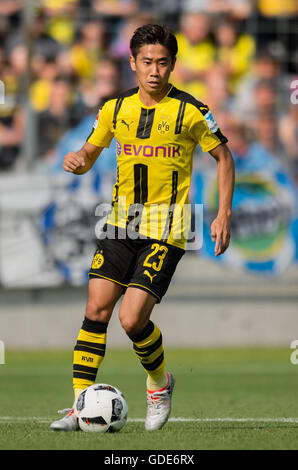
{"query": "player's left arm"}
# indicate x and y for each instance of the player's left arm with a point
(221, 226)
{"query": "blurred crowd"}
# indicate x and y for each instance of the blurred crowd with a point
(61, 58)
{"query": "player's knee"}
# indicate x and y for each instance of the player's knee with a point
(97, 312)
(131, 326)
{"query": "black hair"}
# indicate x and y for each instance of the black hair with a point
(153, 34)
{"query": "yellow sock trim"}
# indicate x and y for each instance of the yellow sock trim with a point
(157, 384)
(153, 362)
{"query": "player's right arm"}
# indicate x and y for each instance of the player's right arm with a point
(80, 162)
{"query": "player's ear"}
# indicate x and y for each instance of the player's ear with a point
(173, 64)
(132, 63)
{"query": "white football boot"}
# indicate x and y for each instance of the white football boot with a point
(159, 405)
(67, 423)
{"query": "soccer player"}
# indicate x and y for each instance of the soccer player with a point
(157, 128)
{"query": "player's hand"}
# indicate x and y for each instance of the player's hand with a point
(221, 233)
(72, 162)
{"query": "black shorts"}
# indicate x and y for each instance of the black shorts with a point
(144, 263)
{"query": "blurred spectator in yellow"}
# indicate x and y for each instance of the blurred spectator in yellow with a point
(235, 51)
(60, 115)
(46, 72)
(88, 49)
(16, 59)
(44, 44)
(42, 63)
(62, 15)
(106, 83)
(196, 54)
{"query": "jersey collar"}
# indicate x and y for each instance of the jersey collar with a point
(157, 104)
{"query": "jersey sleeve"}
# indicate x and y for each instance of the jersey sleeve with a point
(102, 132)
(205, 131)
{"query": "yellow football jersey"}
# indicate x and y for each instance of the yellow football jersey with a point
(155, 147)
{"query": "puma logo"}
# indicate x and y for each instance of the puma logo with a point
(149, 275)
(125, 123)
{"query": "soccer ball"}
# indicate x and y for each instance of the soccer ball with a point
(101, 408)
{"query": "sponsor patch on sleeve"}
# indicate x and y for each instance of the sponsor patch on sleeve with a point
(211, 123)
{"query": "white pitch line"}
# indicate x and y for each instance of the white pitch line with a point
(173, 420)
(220, 420)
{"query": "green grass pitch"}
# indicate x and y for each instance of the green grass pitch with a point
(223, 399)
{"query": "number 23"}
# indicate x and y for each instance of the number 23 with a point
(156, 248)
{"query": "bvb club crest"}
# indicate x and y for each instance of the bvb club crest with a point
(98, 261)
(163, 126)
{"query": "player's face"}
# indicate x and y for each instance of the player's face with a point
(153, 66)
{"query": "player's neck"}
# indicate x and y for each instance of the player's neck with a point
(151, 99)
